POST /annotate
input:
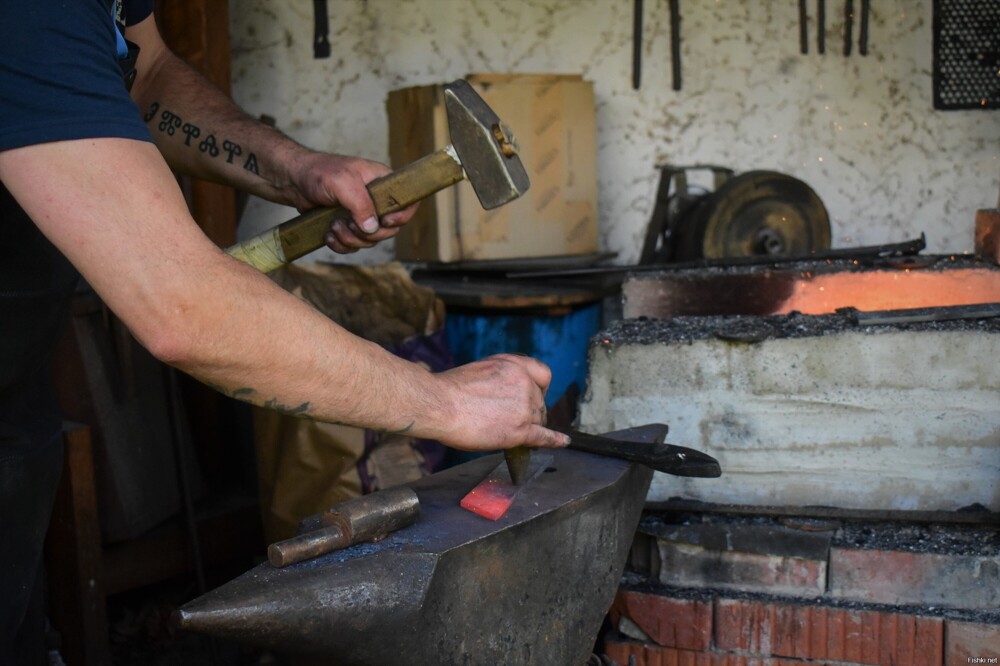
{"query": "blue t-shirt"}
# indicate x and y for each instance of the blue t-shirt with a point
(59, 72)
(59, 80)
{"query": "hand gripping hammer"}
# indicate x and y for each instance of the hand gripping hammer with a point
(482, 149)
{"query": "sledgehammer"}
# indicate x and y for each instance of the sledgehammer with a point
(482, 149)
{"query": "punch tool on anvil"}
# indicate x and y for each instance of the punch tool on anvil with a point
(497, 492)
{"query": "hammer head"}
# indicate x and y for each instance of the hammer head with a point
(485, 146)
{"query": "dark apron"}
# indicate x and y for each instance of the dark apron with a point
(36, 285)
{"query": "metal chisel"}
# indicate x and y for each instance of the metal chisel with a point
(669, 458)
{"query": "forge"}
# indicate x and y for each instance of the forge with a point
(855, 384)
(854, 404)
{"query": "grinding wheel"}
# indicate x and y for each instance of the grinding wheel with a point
(756, 213)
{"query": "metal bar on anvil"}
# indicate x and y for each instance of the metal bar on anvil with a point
(454, 588)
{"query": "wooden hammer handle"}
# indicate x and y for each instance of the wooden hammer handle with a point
(301, 235)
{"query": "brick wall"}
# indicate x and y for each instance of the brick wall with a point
(758, 592)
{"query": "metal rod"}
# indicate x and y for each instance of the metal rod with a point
(821, 26)
(985, 517)
(941, 313)
(848, 26)
(863, 36)
(803, 28)
(869, 252)
(675, 42)
(637, 45)
(321, 30)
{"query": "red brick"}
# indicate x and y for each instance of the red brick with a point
(793, 630)
(671, 622)
(809, 632)
(674, 657)
(852, 635)
(652, 656)
(928, 641)
(906, 631)
(744, 626)
(819, 632)
(965, 641)
(648, 654)
(619, 650)
(836, 635)
(897, 577)
(888, 647)
(871, 636)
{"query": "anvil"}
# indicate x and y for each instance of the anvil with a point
(453, 588)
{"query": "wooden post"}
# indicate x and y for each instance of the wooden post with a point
(74, 558)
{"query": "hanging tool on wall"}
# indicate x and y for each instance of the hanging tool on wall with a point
(675, 42)
(863, 30)
(321, 30)
(863, 17)
(637, 45)
(848, 26)
(803, 28)
(821, 26)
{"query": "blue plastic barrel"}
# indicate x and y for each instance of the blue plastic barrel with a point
(560, 341)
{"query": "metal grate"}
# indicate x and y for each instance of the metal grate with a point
(966, 54)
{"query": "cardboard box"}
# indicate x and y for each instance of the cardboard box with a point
(553, 120)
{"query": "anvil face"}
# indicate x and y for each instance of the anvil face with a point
(455, 588)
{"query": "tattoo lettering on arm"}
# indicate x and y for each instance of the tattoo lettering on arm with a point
(251, 164)
(247, 394)
(231, 149)
(190, 132)
(208, 146)
(170, 122)
(285, 409)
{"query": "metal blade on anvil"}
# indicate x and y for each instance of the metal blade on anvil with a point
(662, 457)
(530, 588)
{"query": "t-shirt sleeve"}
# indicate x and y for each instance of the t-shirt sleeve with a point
(59, 74)
(136, 10)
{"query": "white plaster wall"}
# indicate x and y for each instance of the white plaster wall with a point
(860, 130)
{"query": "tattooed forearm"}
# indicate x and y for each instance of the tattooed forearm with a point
(170, 122)
(246, 394)
(300, 410)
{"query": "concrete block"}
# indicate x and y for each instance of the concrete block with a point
(750, 558)
(898, 577)
(882, 418)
